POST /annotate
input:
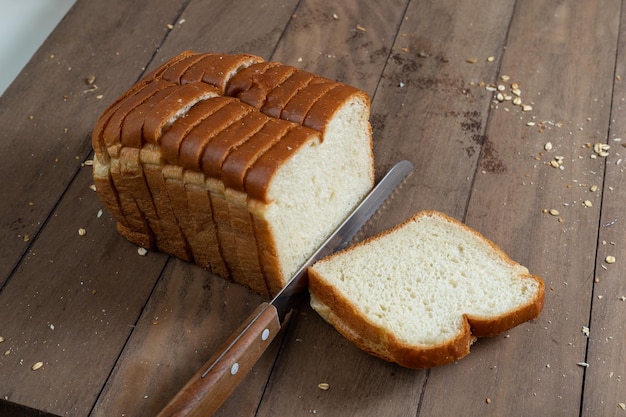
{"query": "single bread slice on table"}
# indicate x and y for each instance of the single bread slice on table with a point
(421, 293)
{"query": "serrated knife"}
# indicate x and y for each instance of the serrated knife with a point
(221, 374)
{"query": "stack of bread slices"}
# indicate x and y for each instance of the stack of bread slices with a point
(240, 165)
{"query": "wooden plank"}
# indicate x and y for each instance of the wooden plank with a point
(424, 110)
(188, 317)
(604, 392)
(71, 304)
(551, 50)
(48, 112)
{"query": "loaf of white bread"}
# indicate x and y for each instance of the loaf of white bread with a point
(421, 293)
(240, 165)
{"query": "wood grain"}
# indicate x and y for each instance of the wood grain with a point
(72, 304)
(48, 112)
(120, 333)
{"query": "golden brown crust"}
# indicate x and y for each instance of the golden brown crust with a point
(241, 158)
(182, 97)
(200, 138)
(323, 110)
(298, 107)
(203, 241)
(379, 341)
(131, 134)
(176, 71)
(278, 98)
(218, 69)
(228, 139)
(253, 84)
(171, 139)
(112, 126)
(253, 76)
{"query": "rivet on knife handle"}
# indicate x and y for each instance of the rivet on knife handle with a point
(211, 386)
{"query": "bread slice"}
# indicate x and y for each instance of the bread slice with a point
(420, 294)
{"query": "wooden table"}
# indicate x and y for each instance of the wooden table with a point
(118, 333)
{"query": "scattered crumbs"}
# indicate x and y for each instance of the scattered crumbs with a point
(1, 339)
(583, 364)
(585, 330)
(181, 21)
(99, 213)
(622, 406)
(88, 163)
(609, 259)
(361, 28)
(335, 16)
(100, 97)
(488, 400)
(324, 386)
(37, 365)
(90, 79)
(170, 26)
(82, 231)
(471, 60)
(491, 59)
(142, 251)
(623, 298)
(92, 187)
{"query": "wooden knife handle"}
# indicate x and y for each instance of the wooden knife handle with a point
(202, 396)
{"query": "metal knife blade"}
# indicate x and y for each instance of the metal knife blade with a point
(212, 384)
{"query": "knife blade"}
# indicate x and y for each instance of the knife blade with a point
(217, 379)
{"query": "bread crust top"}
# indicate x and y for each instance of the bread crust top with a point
(199, 108)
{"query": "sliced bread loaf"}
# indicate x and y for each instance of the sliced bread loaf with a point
(243, 166)
(420, 294)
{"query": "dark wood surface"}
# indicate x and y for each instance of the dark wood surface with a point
(119, 333)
